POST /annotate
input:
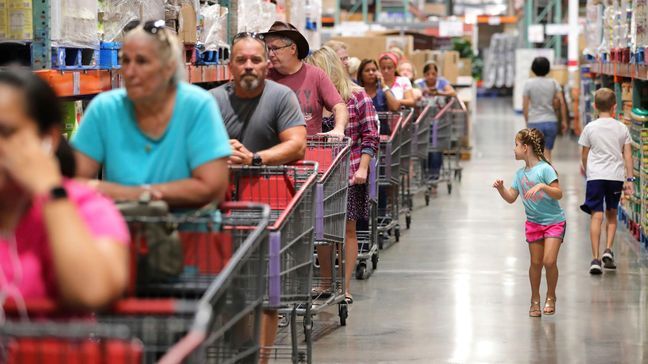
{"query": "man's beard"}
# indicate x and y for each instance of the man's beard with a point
(249, 82)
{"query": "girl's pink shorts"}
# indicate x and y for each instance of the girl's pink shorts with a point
(536, 232)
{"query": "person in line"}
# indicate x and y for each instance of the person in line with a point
(59, 239)
(606, 151)
(265, 125)
(342, 50)
(407, 70)
(159, 135)
(354, 63)
(539, 97)
(434, 85)
(370, 78)
(363, 131)
(287, 47)
(400, 86)
(537, 183)
(437, 87)
(262, 117)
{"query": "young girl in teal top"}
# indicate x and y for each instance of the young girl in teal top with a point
(537, 183)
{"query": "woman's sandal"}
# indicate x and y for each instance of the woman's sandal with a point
(550, 306)
(534, 310)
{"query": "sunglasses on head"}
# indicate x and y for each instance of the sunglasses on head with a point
(153, 27)
(244, 35)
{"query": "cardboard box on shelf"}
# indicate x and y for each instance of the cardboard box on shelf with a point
(436, 9)
(465, 67)
(371, 46)
(18, 20)
(187, 29)
(419, 59)
(626, 91)
(560, 74)
(4, 24)
(447, 61)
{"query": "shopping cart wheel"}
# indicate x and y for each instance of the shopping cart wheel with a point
(408, 221)
(361, 271)
(397, 234)
(343, 311)
(374, 261)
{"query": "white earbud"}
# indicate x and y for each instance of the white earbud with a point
(46, 144)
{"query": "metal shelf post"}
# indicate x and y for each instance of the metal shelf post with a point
(41, 45)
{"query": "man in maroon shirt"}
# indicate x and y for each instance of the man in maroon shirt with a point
(287, 47)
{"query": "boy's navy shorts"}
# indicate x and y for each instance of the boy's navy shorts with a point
(599, 191)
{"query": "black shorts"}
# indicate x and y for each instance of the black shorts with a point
(599, 191)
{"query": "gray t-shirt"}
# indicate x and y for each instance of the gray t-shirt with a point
(541, 92)
(276, 110)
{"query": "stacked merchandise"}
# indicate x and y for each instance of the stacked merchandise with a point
(637, 205)
(16, 20)
(114, 15)
(593, 28)
(74, 23)
(499, 68)
(620, 27)
(639, 30)
(258, 15)
(586, 98)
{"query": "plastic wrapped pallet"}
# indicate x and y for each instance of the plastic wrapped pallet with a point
(258, 15)
(593, 27)
(74, 23)
(639, 23)
(118, 13)
(214, 34)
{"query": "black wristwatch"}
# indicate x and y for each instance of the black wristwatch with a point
(256, 160)
(631, 179)
(55, 194)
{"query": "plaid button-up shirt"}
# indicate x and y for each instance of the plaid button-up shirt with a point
(362, 128)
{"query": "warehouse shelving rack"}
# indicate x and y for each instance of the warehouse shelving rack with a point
(634, 209)
(81, 83)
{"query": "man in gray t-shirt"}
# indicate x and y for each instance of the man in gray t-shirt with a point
(263, 118)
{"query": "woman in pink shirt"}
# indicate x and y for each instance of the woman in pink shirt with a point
(58, 239)
(401, 87)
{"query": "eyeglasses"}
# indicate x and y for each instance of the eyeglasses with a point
(275, 49)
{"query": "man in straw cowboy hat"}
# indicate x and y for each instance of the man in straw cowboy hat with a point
(287, 47)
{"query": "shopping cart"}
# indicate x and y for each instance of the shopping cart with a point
(367, 231)
(290, 192)
(331, 194)
(420, 151)
(459, 117)
(406, 152)
(222, 326)
(440, 141)
(389, 178)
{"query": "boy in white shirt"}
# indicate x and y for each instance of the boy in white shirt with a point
(606, 149)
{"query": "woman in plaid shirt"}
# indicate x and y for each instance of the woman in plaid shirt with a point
(365, 139)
